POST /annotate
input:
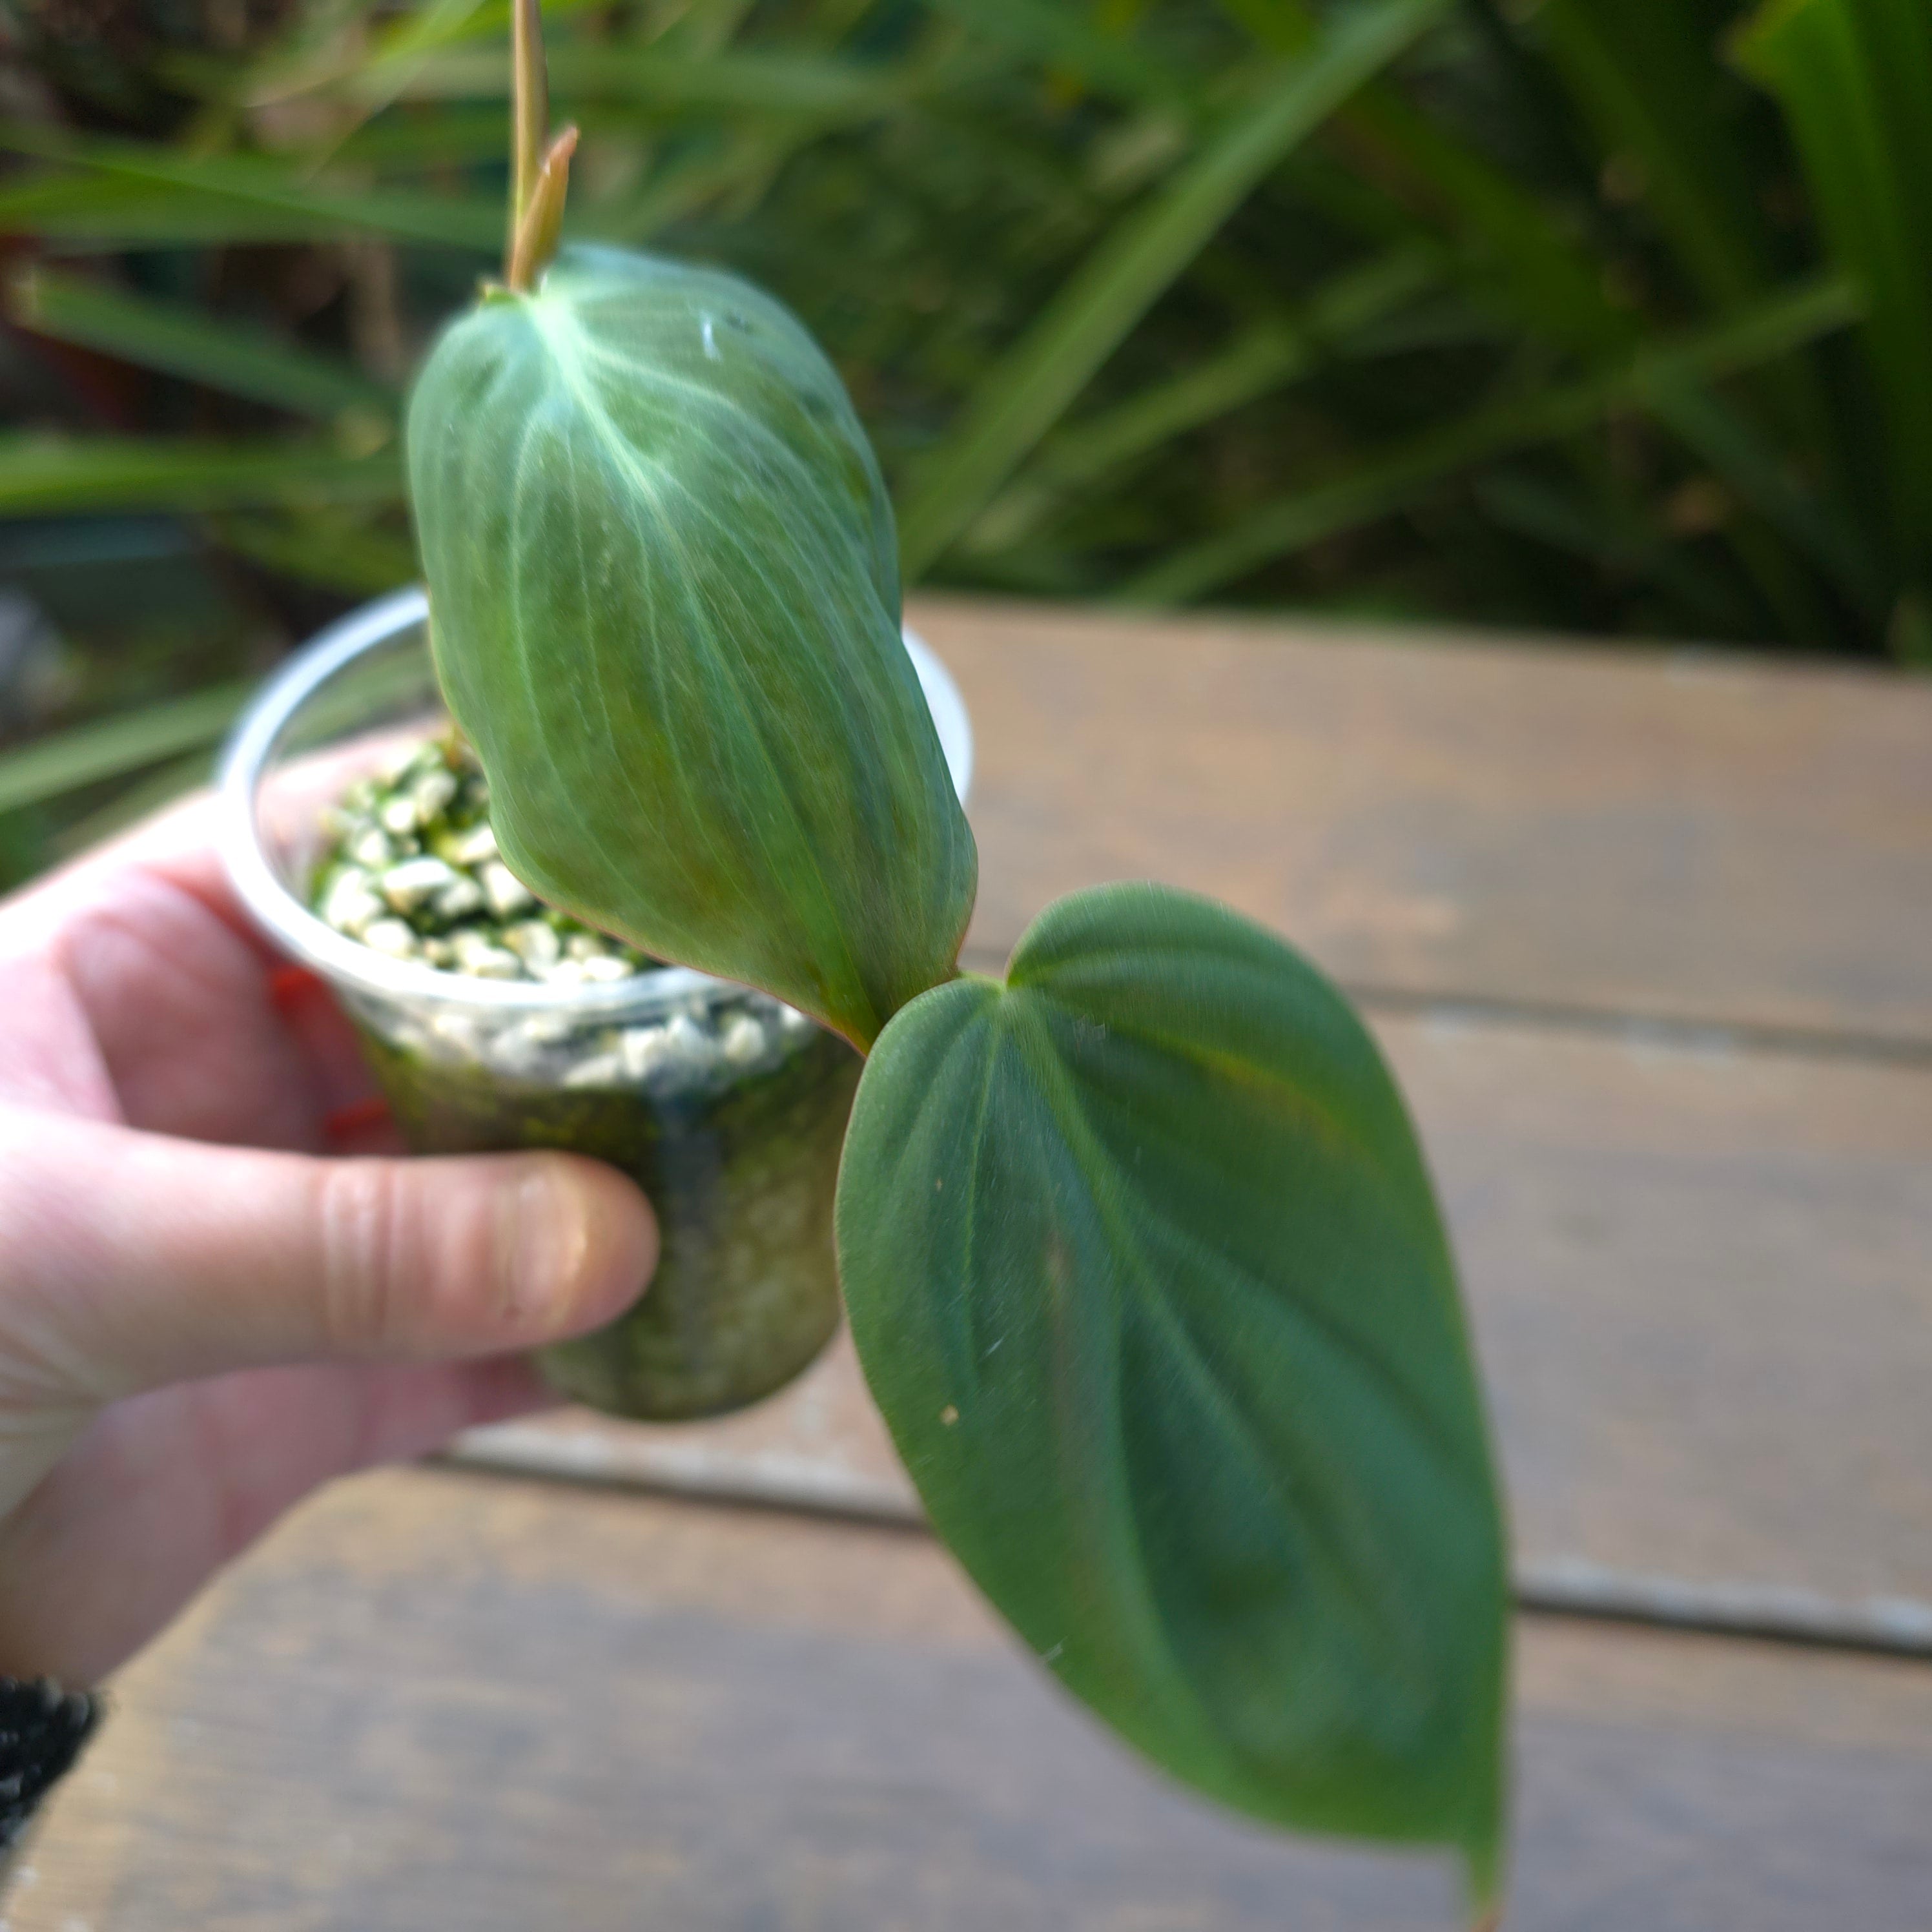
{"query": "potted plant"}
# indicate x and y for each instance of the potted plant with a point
(1136, 1244)
(357, 831)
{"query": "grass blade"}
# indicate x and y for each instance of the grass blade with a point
(1614, 538)
(1263, 358)
(1647, 74)
(99, 212)
(1381, 486)
(1057, 35)
(1031, 388)
(336, 550)
(89, 753)
(452, 221)
(1854, 78)
(1732, 445)
(738, 82)
(227, 356)
(1647, 78)
(1520, 252)
(41, 475)
(173, 780)
(287, 73)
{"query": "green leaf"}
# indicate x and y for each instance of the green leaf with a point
(1730, 442)
(98, 211)
(1854, 77)
(1147, 1276)
(116, 746)
(345, 547)
(1115, 286)
(1048, 30)
(741, 83)
(41, 474)
(665, 604)
(1552, 286)
(224, 356)
(1655, 379)
(273, 192)
(133, 803)
(1267, 356)
(1644, 72)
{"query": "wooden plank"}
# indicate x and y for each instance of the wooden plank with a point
(433, 1702)
(1700, 1285)
(1688, 837)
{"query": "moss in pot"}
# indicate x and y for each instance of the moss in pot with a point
(1138, 1249)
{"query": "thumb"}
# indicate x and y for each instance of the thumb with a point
(128, 1261)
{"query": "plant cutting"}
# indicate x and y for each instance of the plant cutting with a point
(1137, 1246)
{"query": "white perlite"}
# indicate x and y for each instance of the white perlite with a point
(413, 872)
(414, 841)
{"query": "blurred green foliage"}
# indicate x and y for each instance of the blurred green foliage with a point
(1588, 315)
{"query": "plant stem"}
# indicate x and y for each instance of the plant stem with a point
(529, 87)
(535, 241)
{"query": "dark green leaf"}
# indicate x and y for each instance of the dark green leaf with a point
(1268, 355)
(1655, 379)
(1115, 286)
(225, 355)
(762, 83)
(97, 211)
(344, 546)
(1147, 1277)
(41, 474)
(1644, 71)
(1854, 78)
(665, 604)
(270, 189)
(1112, 63)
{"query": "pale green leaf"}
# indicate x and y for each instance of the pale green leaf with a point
(665, 605)
(111, 748)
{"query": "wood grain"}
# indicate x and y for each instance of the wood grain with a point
(433, 1701)
(1700, 1283)
(1695, 838)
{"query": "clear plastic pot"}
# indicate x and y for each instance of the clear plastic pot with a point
(728, 1107)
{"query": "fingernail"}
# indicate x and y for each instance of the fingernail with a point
(543, 1240)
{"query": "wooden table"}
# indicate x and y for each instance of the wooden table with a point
(1649, 939)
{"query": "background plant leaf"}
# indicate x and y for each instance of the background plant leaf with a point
(42, 474)
(1854, 77)
(1661, 377)
(664, 603)
(182, 341)
(115, 746)
(1005, 220)
(1148, 1279)
(1115, 286)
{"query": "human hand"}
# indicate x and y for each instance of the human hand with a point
(218, 1287)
